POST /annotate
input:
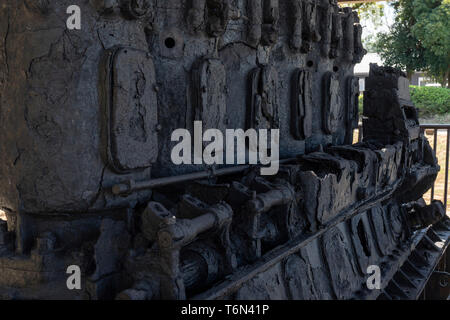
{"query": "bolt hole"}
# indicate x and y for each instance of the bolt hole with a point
(170, 43)
(335, 68)
(310, 64)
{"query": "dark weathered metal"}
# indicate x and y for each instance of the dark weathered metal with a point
(435, 128)
(133, 186)
(87, 178)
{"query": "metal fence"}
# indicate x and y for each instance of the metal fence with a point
(436, 130)
(440, 134)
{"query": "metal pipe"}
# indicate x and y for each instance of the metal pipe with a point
(131, 185)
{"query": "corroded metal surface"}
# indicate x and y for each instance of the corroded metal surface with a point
(86, 177)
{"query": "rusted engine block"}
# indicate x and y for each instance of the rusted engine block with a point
(86, 177)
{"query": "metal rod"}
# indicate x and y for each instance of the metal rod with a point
(435, 150)
(446, 170)
(435, 126)
(131, 185)
(276, 255)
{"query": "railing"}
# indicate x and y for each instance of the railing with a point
(439, 136)
(436, 130)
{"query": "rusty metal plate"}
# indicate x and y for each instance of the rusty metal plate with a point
(263, 110)
(380, 228)
(302, 101)
(339, 260)
(209, 94)
(352, 107)
(133, 111)
(332, 113)
(361, 240)
(299, 278)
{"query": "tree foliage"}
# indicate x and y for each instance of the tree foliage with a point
(371, 15)
(369, 11)
(419, 39)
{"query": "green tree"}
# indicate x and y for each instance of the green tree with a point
(372, 12)
(432, 29)
(419, 39)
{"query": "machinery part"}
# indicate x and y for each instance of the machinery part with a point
(302, 107)
(85, 156)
